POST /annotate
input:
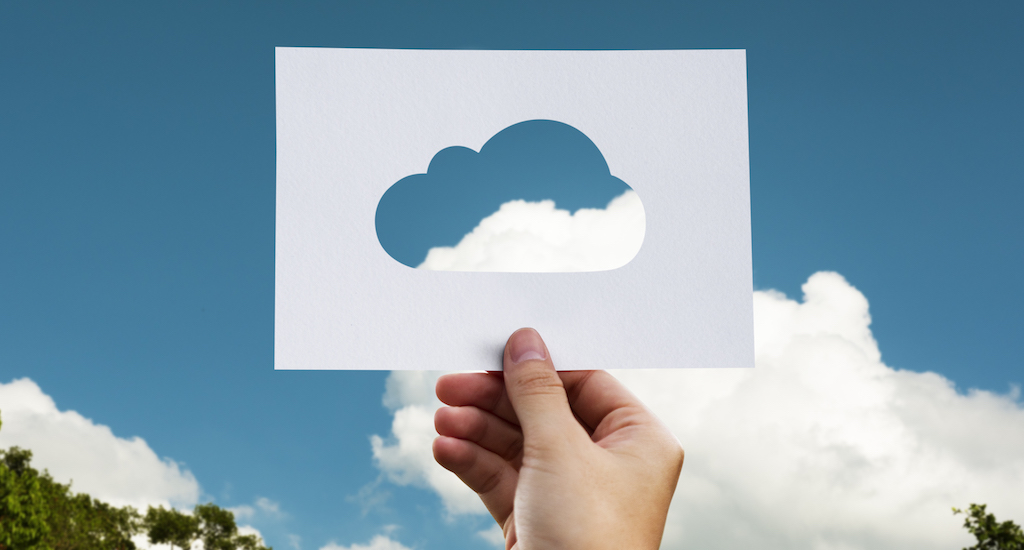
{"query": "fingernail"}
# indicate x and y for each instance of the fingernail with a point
(526, 345)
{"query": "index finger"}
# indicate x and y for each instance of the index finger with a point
(482, 390)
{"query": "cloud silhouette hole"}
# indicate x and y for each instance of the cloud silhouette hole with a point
(538, 197)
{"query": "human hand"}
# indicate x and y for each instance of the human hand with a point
(567, 460)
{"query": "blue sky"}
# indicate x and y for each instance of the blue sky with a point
(137, 165)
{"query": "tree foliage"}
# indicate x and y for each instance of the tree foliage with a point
(209, 523)
(24, 513)
(37, 513)
(991, 534)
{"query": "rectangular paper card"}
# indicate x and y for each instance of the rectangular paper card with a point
(430, 203)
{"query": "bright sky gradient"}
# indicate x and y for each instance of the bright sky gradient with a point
(137, 165)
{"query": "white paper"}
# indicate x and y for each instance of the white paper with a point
(671, 124)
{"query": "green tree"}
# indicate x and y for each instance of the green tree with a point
(209, 523)
(78, 521)
(23, 508)
(37, 513)
(169, 526)
(991, 534)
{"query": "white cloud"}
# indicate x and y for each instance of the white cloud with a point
(250, 530)
(404, 458)
(371, 497)
(113, 469)
(109, 468)
(537, 237)
(269, 507)
(262, 506)
(821, 446)
(243, 512)
(493, 536)
(379, 542)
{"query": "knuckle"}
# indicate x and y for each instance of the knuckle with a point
(514, 448)
(477, 426)
(538, 382)
(675, 454)
(489, 482)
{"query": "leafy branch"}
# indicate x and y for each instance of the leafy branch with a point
(991, 534)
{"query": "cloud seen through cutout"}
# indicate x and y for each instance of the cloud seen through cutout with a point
(538, 197)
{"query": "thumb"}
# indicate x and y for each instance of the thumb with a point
(535, 389)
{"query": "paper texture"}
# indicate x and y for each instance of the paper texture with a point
(352, 122)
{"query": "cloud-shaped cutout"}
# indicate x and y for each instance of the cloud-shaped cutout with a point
(529, 167)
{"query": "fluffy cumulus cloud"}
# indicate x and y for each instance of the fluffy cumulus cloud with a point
(538, 237)
(113, 469)
(406, 456)
(494, 536)
(110, 468)
(821, 446)
(379, 542)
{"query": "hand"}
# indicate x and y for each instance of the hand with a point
(566, 460)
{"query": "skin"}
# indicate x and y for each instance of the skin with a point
(562, 460)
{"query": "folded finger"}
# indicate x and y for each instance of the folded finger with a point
(486, 473)
(482, 390)
(484, 429)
